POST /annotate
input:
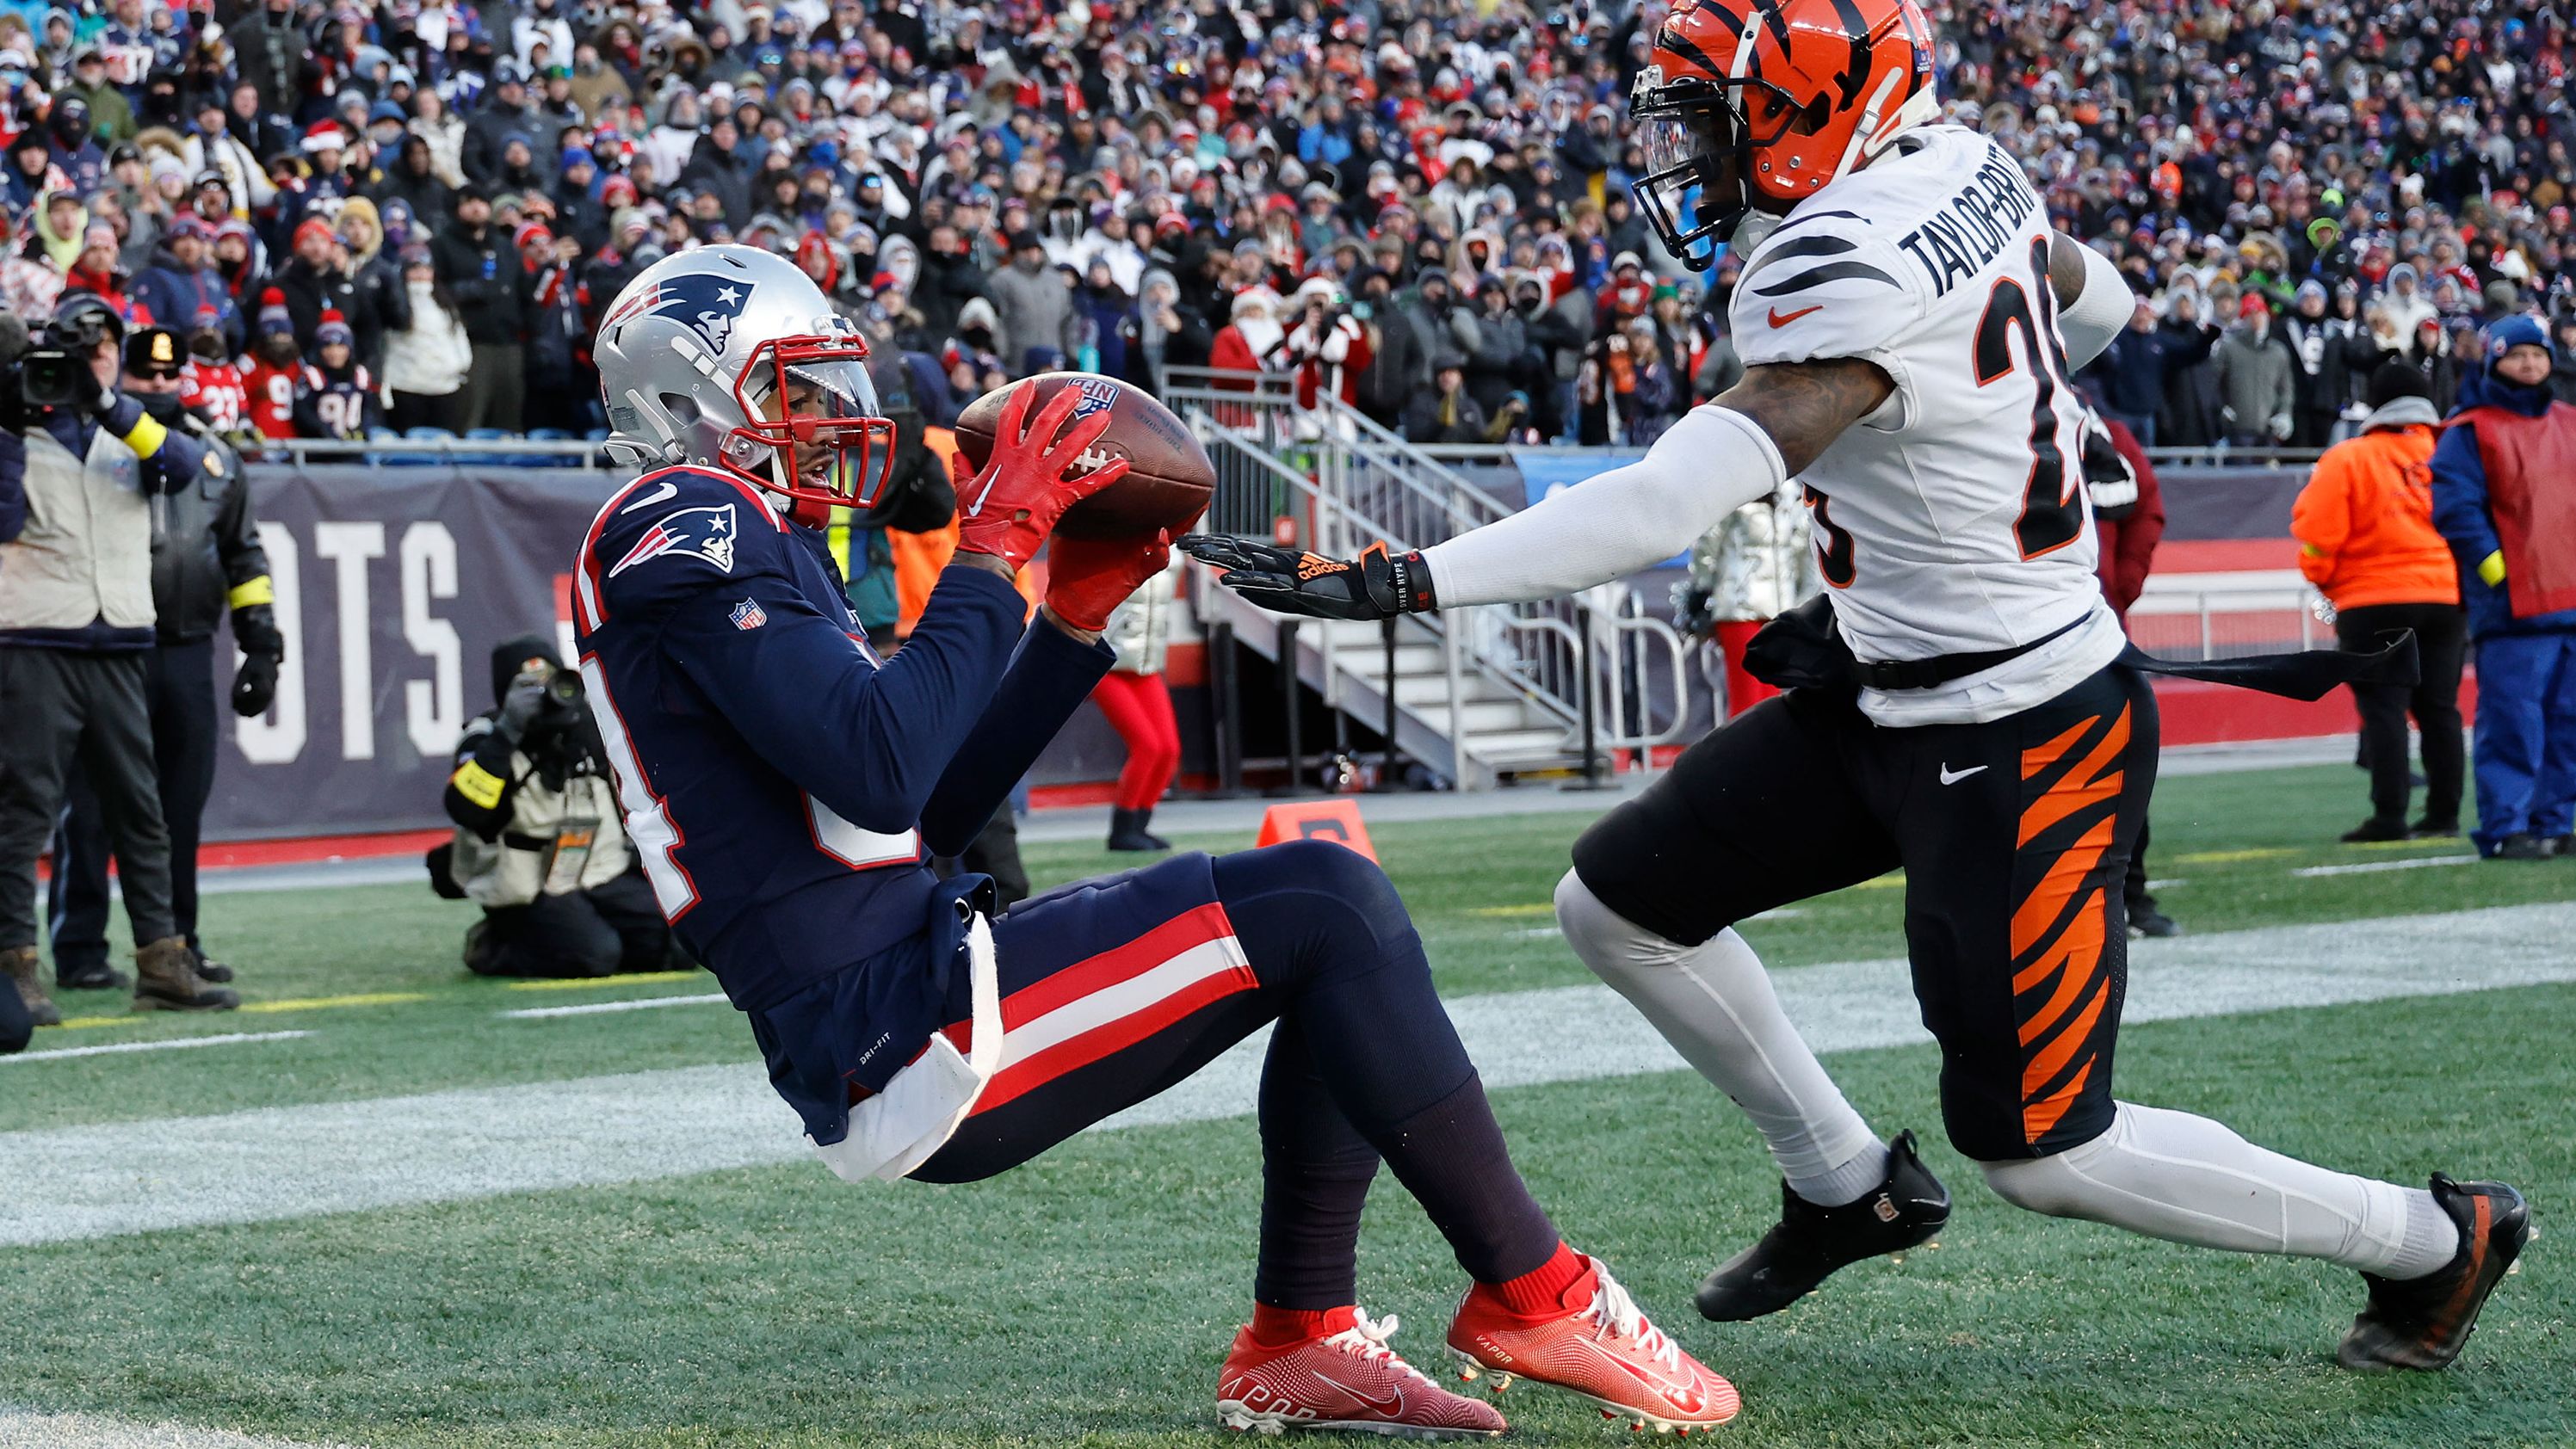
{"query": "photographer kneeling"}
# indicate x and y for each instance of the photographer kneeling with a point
(79, 468)
(539, 844)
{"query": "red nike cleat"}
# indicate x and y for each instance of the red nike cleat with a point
(1348, 1380)
(1596, 1344)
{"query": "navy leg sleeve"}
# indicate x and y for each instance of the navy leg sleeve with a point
(1321, 925)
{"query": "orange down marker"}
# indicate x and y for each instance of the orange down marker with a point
(1336, 820)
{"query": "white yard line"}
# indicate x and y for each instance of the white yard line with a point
(172, 1045)
(2373, 867)
(594, 1008)
(89, 1182)
(24, 1430)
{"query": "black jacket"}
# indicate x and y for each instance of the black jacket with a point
(487, 136)
(204, 548)
(309, 291)
(493, 291)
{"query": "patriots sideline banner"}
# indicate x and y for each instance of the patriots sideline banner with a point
(393, 586)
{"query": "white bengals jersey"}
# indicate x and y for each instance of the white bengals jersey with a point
(1953, 520)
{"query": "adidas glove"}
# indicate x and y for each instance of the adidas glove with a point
(1376, 585)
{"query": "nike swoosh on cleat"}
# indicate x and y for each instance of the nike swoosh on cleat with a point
(1949, 777)
(1390, 1407)
(1680, 1396)
(1783, 319)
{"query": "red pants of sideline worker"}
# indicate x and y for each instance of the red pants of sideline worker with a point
(1140, 709)
(1743, 691)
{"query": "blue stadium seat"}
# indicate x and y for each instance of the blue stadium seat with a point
(415, 460)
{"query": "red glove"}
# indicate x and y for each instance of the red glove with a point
(1087, 577)
(1012, 505)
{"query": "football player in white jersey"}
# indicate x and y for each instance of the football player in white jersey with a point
(1908, 321)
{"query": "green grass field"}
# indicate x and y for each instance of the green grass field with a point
(1088, 1297)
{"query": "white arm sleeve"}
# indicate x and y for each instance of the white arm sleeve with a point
(1712, 462)
(2098, 312)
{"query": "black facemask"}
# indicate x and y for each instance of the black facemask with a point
(163, 407)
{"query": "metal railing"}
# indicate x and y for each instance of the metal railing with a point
(434, 452)
(1333, 480)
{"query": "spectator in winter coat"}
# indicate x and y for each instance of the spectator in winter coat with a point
(477, 266)
(181, 284)
(1162, 334)
(2315, 340)
(1447, 413)
(2364, 523)
(1326, 348)
(1249, 344)
(2504, 496)
(2257, 401)
(1105, 315)
(427, 360)
(382, 302)
(506, 112)
(337, 397)
(2189, 417)
(1031, 301)
(413, 177)
(315, 280)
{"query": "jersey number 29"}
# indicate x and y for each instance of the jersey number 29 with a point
(2051, 516)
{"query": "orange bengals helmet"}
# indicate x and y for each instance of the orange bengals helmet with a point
(1750, 105)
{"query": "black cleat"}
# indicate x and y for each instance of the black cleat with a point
(214, 971)
(2376, 828)
(1810, 1242)
(2430, 828)
(2422, 1323)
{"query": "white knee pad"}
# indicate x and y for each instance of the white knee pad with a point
(2051, 1185)
(1609, 943)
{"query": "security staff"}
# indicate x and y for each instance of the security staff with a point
(206, 560)
(76, 620)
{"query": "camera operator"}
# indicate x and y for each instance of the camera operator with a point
(79, 467)
(206, 561)
(538, 841)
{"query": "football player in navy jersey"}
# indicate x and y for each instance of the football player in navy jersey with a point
(786, 789)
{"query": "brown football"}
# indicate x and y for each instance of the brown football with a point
(1169, 479)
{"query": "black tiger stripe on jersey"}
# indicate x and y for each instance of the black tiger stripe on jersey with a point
(1819, 276)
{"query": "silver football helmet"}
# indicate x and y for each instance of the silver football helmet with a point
(729, 357)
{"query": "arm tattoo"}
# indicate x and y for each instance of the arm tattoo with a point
(2065, 268)
(1804, 406)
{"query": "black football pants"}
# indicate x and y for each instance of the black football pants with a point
(2014, 835)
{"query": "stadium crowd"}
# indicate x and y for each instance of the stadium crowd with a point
(407, 214)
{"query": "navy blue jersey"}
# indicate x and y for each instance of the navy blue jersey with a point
(783, 786)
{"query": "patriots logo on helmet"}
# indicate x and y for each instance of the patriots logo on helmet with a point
(706, 533)
(704, 302)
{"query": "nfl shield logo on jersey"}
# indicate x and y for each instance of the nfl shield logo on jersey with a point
(749, 615)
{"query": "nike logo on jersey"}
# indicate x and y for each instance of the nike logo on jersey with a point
(1783, 319)
(666, 489)
(1953, 777)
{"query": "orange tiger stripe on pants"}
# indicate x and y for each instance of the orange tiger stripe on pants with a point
(2059, 930)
